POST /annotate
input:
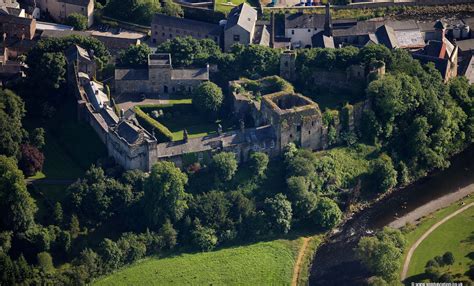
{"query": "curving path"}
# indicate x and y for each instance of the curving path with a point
(425, 235)
(299, 260)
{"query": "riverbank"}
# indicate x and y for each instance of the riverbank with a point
(432, 207)
(335, 261)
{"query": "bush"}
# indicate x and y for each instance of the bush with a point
(383, 175)
(448, 258)
(78, 21)
(162, 133)
(204, 238)
(31, 161)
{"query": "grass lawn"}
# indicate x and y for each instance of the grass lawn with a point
(227, 5)
(71, 146)
(180, 114)
(455, 235)
(263, 263)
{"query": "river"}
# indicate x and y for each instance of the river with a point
(335, 262)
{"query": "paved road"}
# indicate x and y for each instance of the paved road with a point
(425, 235)
(432, 206)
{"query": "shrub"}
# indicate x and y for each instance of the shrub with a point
(327, 213)
(258, 163)
(162, 133)
(204, 238)
(78, 21)
(448, 258)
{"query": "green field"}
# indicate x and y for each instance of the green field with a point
(455, 235)
(181, 114)
(264, 263)
(227, 5)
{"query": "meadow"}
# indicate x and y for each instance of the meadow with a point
(263, 263)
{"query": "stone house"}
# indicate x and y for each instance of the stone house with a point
(240, 26)
(159, 77)
(165, 28)
(59, 10)
(13, 26)
(82, 59)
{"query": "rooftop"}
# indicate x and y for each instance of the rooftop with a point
(159, 59)
(186, 24)
(244, 16)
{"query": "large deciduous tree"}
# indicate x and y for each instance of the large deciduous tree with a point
(12, 110)
(327, 213)
(208, 98)
(278, 213)
(17, 208)
(224, 166)
(165, 196)
(134, 56)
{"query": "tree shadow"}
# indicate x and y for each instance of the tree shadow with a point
(415, 278)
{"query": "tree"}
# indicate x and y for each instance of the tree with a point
(54, 66)
(134, 56)
(371, 53)
(258, 163)
(278, 213)
(136, 11)
(212, 209)
(208, 98)
(31, 161)
(37, 138)
(77, 21)
(327, 213)
(58, 213)
(45, 262)
(91, 262)
(5, 241)
(17, 208)
(204, 238)
(132, 247)
(12, 110)
(74, 226)
(169, 235)
(111, 254)
(187, 51)
(381, 253)
(254, 61)
(165, 197)
(448, 258)
(224, 165)
(383, 175)
(303, 201)
(172, 9)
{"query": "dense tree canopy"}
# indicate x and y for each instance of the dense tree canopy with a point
(224, 165)
(278, 213)
(134, 56)
(17, 208)
(12, 110)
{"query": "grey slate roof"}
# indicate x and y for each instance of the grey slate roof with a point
(186, 24)
(75, 52)
(465, 45)
(261, 35)
(386, 36)
(320, 40)
(129, 132)
(196, 74)
(84, 3)
(302, 21)
(131, 74)
(243, 16)
(256, 136)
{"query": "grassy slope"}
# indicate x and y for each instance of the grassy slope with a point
(451, 236)
(264, 263)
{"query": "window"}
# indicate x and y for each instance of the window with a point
(236, 38)
(309, 132)
(286, 64)
(82, 9)
(177, 31)
(215, 39)
(298, 128)
(309, 30)
(163, 34)
(162, 27)
(156, 33)
(292, 32)
(171, 35)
